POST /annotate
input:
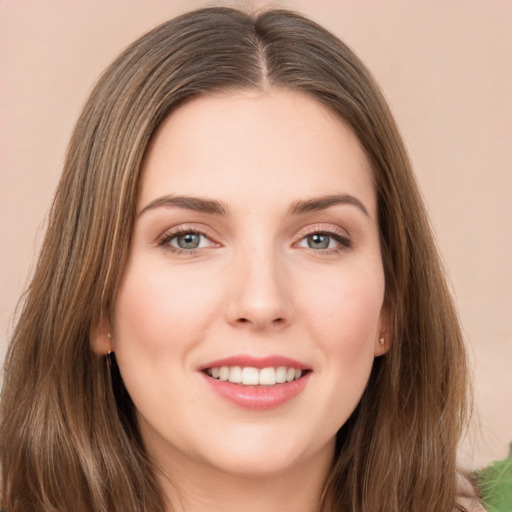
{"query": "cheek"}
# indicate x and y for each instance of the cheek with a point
(345, 309)
(156, 308)
(343, 315)
(348, 338)
(160, 317)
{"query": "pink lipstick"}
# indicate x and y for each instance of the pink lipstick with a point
(257, 383)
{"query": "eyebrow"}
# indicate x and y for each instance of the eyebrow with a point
(211, 206)
(197, 204)
(322, 203)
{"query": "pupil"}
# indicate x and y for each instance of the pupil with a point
(188, 241)
(318, 241)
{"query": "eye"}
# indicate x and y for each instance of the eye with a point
(186, 241)
(319, 241)
(325, 240)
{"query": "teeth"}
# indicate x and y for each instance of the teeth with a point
(249, 376)
(235, 374)
(281, 374)
(267, 377)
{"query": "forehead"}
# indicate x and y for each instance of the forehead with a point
(279, 144)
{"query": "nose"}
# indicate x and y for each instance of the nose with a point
(259, 292)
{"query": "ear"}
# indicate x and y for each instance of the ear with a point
(383, 340)
(101, 339)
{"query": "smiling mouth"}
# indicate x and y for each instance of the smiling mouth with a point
(250, 376)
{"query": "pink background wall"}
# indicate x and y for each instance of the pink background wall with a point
(444, 67)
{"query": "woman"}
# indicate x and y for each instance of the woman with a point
(238, 223)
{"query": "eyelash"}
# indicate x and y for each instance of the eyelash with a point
(165, 240)
(345, 243)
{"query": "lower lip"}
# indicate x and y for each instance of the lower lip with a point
(258, 398)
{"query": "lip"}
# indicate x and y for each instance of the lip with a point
(256, 362)
(257, 398)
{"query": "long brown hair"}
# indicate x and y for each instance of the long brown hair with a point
(68, 442)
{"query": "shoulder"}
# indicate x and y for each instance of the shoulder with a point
(470, 505)
(467, 498)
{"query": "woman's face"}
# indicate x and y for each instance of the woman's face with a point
(255, 256)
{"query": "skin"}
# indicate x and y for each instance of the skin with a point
(257, 285)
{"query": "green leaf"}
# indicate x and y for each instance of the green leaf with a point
(495, 484)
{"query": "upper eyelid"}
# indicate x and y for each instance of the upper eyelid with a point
(323, 228)
(187, 228)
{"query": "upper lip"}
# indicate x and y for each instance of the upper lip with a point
(256, 362)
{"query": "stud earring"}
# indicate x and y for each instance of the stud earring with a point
(381, 341)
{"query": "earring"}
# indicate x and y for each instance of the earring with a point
(381, 341)
(110, 356)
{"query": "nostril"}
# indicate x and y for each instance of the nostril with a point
(276, 321)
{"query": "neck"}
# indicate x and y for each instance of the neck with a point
(192, 487)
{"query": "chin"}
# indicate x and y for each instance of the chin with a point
(257, 464)
(267, 454)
